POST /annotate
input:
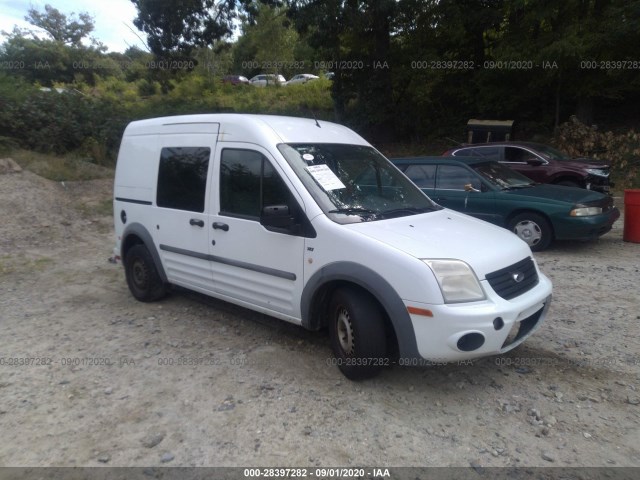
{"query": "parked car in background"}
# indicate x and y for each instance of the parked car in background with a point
(493, 192)
(263, 80)
(235, 79)
(542, 163)
(301, 78)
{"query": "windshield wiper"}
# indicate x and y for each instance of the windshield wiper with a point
(401, 212)
(353, 211)
(522, 185)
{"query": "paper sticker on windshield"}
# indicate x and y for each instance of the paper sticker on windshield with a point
(325, 177)
(308, 157)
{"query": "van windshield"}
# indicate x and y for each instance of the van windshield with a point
(354, 183)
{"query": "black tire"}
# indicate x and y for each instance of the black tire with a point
(358, 337)
(142, 275)
(569, 183)
(533, 228)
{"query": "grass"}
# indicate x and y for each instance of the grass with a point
(5, 267)
(103, 208)
(59, 168)
(12, 263)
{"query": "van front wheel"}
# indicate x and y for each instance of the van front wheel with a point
(358, 337)
(142, 275)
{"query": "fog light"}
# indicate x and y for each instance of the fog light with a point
(498, 323)
(470, 342)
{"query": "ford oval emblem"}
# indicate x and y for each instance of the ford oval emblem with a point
(517, 277)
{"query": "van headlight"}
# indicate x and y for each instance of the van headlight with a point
(585, 211)
(457, 281)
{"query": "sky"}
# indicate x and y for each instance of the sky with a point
(111, 19)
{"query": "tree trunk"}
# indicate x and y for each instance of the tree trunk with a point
(558, 96)
(380, 86)
(337, 92)
(584, 110)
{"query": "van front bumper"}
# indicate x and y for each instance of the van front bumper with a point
(465, 331)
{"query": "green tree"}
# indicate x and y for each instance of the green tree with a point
(60, 57)
(355, 35)
(269, 42)
(48, 61)
(215, 62)
(568, 38)
(176, 27)
(63, 29)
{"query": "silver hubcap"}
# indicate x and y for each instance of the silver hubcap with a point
(528, 231)
(345, 331)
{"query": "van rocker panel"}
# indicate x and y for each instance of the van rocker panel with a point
(234, 263)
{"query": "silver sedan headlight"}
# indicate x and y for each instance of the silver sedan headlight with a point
(457, 280)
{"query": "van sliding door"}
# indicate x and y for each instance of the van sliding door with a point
(182, 226)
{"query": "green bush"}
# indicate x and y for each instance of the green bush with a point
(90, 120)
(7, 144)
(59, 167)
(621, 150)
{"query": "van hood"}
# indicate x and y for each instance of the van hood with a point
(448, 234)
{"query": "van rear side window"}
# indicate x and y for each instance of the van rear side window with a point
(182, 178)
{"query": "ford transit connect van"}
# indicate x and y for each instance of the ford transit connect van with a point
(305, 221)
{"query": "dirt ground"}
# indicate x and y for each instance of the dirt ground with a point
(91, 377)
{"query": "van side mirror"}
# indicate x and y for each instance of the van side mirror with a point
(278, 218)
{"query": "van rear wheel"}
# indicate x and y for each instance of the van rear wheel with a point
(142, 275)
(358, 337)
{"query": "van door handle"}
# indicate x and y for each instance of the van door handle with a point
(196, 222)
(220, 226)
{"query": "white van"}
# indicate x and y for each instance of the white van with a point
(305, 221)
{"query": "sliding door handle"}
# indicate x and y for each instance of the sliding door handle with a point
(220, 226)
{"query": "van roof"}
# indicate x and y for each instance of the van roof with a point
(236, 127)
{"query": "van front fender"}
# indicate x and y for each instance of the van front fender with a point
(338, 273)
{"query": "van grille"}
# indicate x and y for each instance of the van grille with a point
(514, 280)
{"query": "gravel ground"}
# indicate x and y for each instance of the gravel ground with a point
(192, 381)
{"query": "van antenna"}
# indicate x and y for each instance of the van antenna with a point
(314, 117)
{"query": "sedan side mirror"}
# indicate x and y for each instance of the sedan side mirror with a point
(534, 162)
